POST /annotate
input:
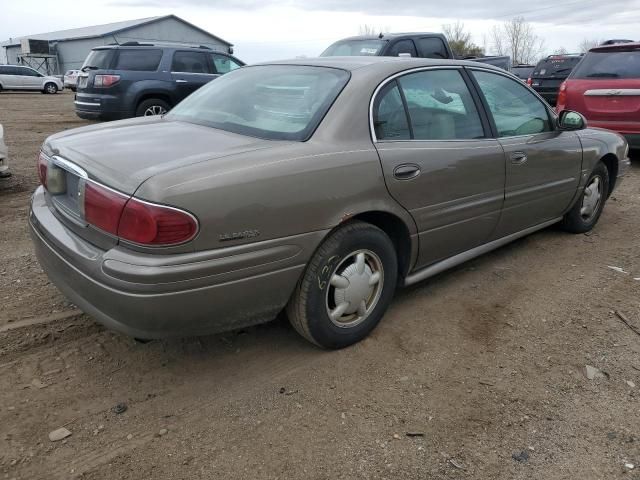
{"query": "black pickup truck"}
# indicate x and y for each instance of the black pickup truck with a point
(422, 45)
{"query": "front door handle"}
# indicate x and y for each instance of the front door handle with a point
(518, 158)
(181, 81)
(406, 171)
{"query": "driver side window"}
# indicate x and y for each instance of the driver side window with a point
(515, 110)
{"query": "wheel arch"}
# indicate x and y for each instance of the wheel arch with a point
(611, 162)
(397, 231)
(164, 96)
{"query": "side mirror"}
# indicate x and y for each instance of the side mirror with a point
(570, 120)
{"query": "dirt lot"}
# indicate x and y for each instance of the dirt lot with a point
(466, 370)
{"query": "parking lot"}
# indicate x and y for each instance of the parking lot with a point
(476, 373)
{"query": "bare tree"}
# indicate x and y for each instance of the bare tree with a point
(460, 40)
(560, 51)
(371, 30)
(588, 43)
(517, 39)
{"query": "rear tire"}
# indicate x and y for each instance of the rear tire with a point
(346, 288)
(584, 215)
(50, 88)
(151, 107)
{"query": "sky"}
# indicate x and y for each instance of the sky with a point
(276, 29)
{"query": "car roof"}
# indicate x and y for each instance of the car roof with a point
(389, 36)
(352, 63)
(617, 46)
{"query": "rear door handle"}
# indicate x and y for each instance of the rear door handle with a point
(518, 158)
(181, 81)
(406, 171)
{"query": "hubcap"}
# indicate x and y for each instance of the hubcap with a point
(354, 288)
(155, 110)
(51, 89)
(591, 199)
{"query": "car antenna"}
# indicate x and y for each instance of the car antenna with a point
(381, 35)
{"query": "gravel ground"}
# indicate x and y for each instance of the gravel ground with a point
(477, 373)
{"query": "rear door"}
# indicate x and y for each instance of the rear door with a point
(190, 70)
(438, 160)
(432, 47)
(605, 87)
(543, 164)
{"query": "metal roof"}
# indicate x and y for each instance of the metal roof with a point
(102, 31)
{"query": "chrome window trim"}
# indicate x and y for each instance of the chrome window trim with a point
(387, 80)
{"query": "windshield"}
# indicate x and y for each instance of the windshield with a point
(276, 102)
(351, 48)
(615, 64)
(98, 59)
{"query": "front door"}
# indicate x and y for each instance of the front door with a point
(190, 70)
(29, 79)
(438, 160)
(543, 164)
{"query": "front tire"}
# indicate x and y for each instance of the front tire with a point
(584, 215)
(50, 88)
(346, 287)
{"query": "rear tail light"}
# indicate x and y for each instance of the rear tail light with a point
(104, 81)
(121, 215)
(561, 102)
(151, 224)
(43, 165)
(135, 220)
(529, 81)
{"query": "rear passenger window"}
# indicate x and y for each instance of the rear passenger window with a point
(390, 118)
(515, 110)
(431, 47)
(405, 47)
(139, 60)
(190, 62)
(440, 106)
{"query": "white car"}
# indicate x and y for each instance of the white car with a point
(71, 79)
(4, 154)
(18, 77)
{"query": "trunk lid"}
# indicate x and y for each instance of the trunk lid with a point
(124, 154)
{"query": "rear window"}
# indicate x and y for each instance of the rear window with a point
(615, 64)
(432, 47)
(276, 102)
(139, 60)
(98, 59)
(350, 48)
(556, 66)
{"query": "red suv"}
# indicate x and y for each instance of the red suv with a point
(605, 88)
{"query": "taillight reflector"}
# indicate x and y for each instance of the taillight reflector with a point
(529, 81)
(103, 207)
(561, 102)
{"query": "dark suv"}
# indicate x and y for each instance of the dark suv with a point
(549, 74)
(135, 79)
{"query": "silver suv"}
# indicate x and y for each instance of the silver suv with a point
(17, 77)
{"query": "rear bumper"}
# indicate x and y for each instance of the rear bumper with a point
(100, 106)
(156, 296)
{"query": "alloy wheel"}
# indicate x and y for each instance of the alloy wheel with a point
(155, 110)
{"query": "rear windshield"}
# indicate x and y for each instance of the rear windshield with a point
(98, 59)
(522, 73)
(616, 64)
(556, 66)
(139, 60)
(276, 102)
(351, 48)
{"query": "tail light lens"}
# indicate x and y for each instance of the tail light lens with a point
(134, 220)
(42, 165)
(104, 81)
(561, 102)
(151, 224)
(529, 81)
